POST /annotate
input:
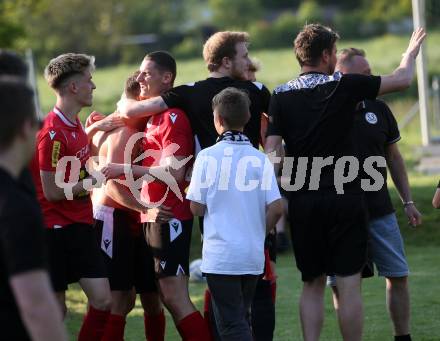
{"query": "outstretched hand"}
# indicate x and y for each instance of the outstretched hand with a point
(415, 42)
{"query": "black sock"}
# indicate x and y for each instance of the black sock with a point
(403, 337)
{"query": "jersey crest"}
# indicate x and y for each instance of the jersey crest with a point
(371, 117)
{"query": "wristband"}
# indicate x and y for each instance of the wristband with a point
(407, 203)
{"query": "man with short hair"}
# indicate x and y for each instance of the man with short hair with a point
(74, 254)
(377, 133)
(227, 59)
(28, 307)
(116, 211)
(168, 140)
(226, 56)
(313, 113)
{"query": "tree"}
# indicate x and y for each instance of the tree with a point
(233, 14)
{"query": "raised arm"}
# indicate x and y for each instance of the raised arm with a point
(402, 77)
(129, 108)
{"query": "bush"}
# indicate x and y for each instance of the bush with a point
(190, 46)
(309, 12)
(354, 25)
(348, 24)
(278, 34)
(286, 27)
(261, 35)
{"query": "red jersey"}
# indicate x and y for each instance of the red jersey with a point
(60, 137)
(169, 127)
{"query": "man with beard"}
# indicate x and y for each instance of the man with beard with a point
(227, 59)
(314, 114)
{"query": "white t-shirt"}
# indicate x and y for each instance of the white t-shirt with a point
(236, 182)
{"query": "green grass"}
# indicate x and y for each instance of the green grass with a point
(423, 257)
(421, 244)
(425, 272)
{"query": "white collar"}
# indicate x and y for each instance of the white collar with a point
(63, 118)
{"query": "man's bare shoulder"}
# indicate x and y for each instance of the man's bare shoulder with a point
(121, 133)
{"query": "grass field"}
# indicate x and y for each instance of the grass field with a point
(422, 245)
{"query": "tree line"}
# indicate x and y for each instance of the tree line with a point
(118, 31)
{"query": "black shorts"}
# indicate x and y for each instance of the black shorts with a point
(170, 244)
(329, 233)
(74, 254)
(144, 275)
(130, 262)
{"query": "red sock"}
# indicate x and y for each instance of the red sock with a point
(273, 290)
(193, 328)
(207, 312)
(93, 325)
(155, 327)
(114, 329)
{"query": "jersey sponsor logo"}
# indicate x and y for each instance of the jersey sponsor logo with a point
(83, 152)
(173, 117)
(180, 270)
(163, 264)
(55, 152)
(371, 117)
(52, 134)
(175, 229)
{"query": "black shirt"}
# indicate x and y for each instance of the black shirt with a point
(314, 114)
(21, 248)
(25, 179)
(196, 100)
(376, 129)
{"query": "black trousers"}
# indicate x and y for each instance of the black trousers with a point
(232, 296)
